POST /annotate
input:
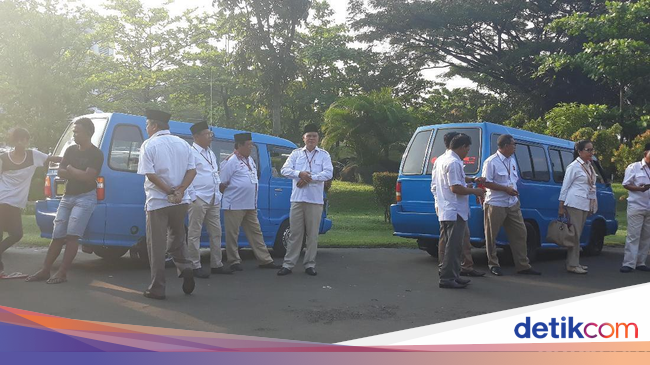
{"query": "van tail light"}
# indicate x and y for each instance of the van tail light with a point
(101, 191)
(47, 187)
(398, 191)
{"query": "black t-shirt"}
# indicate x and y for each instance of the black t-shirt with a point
(93, 158)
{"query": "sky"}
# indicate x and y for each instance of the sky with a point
(340, 14)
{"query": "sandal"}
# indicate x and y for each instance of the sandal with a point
(35, 278)
(56, 280)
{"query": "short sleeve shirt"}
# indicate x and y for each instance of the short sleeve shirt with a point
(15, 177)
(92, 158)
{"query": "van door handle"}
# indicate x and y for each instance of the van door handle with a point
(278, 190)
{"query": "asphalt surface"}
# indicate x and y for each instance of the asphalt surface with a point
(357, 293)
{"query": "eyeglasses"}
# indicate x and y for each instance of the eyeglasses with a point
(209, 134)
(589, 149)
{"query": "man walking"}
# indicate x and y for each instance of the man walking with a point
(168, 164)
(205, 209)
(239, 185)
(80, 166)
(502, 208)
(453, 209)
(309, 167)
(637, 243)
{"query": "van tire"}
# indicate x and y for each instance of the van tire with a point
(282, 240)
(110, 253)
(532, 242)
(431, 246)
(139, 251)
(596, 240)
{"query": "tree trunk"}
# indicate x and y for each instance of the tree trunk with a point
(226, 108)
(276, 111)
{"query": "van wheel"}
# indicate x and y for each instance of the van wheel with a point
(596, 240)
(139, 251)
(532, 242)
(110, 253)
(282, 241)
(431, 246)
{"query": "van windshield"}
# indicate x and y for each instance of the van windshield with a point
(472, 161)
(67, 139)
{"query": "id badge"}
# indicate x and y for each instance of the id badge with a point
(253, 177)
(591, 195)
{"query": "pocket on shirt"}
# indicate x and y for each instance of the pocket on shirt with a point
(502, 178)
(579, 194)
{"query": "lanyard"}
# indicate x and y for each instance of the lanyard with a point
(246, 162)
(210, 161)
(312, 158)
(590, 176)
(643, 167)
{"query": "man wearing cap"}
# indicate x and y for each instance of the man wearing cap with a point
(309, 167)
(239, 185)
(637, 243)
(205, 209)
(168, 163)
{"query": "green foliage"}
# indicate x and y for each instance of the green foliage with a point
(383, 184)
(460, 105)
(566, 119)
(626, 155)
(606, 142)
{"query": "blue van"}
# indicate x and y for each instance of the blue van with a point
(542, 161)
(118, 222)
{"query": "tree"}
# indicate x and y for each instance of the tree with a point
(626, 155)
(606, 142)
(460, 105)
(566, 119)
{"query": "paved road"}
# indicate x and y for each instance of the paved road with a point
(358, 293)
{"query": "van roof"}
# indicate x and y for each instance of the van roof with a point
(502, 129)
(184, 128)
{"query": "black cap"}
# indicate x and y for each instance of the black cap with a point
(310, 128)
(158, 115)
(199, 127)
(243, 137)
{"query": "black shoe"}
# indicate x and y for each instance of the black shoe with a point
(188, 281)
(529, 272)
(220, 270)
(473, 273)
(463, 281)
(311, 271)
(270, 265)
(284, 271)
(496, 270)
(236, 267)
(151, 295)
(642, 268)
(451, 285)
(626, 269)
(199, 273)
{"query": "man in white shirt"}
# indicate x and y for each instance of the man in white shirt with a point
(502, 207)
(309, 167)
(467, 262)
(637, 243)
(205, 209)
(453, 209)
(239, 185)
(168, 164)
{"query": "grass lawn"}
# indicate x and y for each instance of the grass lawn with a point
(359, 221)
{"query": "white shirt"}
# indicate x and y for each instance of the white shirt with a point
(16, 176)
(319, 163)
(433, 178)
(241, 192)
(638, 174)
(450, 172)
(205, 185)
(169, 157)
(576, 191)
(501, 170)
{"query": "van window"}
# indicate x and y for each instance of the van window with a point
(125, 148)
(532, 162)
(556, 165)
(414, 160)
(471, 162)
(67, 139)
(279, 156)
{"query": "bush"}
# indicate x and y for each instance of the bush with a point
(626, 155)
(384, 185)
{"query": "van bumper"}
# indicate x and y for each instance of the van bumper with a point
(45, 214)
(410, 224)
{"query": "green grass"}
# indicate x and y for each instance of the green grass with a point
(359, 221)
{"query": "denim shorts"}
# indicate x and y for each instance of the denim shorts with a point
(73, 214)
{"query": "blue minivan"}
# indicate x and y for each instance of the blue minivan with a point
(542, 161)
(118, 222)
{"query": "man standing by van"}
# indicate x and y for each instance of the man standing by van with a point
(80, 166)
(467, 263)
(167, 162)
(206, 203)
(239, 185)
(309, 167)
(502, 208)
(453, 209)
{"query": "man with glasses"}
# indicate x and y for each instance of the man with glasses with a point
(205, 209)
(502, 207)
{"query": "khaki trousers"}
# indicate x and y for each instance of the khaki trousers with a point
(467, 263)
(304, 219)
(166, 234)
(246, 219)
(637, 242)
(208, 215)
(512, 221)
(577, 218)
